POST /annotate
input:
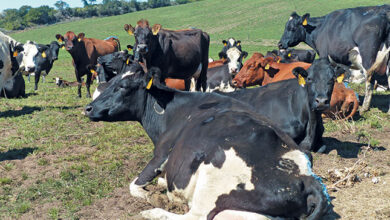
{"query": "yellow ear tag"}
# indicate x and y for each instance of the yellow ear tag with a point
(225, 44)
(155, 32)
(60, 40)
(149, 83)
(278, 61)
(129, 49)
(340, 78)
(130, 33)
(63, 47)
(266, 67)
(79, 39)
(93, 71)
(15, 54)
(301, 80)
(238, 44)
(304, 23)
(289, 55)
(127, 61)
(43, 54)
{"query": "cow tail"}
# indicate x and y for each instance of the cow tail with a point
(118, 42)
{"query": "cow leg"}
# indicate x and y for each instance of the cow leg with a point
(28, 77)
(43, 78)
(79, 85)
(37, 76)
(388, 83)
(201, 82)
(187, 84)
(88, 84)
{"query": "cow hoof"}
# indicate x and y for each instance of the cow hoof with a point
(137, 190)
(322, 149)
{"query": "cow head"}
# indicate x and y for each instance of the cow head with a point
(235, 57)
(30, 50)
(253, 71)
(230, 43)
(112, 64)
(54, 47)
(70, 39)
(144, 36)
(319, 80)
(294, 31)
(122, 99)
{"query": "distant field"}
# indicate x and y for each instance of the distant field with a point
(55, 163)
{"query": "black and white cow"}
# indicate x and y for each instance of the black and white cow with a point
(14, 87)
(357, 37)
(293, 55)
(43, 60)
(227, 44)
(9, 49)
(249, 168)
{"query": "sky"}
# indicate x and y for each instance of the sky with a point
(5, 4)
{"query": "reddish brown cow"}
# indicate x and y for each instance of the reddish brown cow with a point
(217, 63)
(261, 71)
(85, 52)
(343, 101)
(175, 83)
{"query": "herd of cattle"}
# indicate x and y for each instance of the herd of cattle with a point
(229, 151)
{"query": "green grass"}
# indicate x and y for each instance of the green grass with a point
(51, 154)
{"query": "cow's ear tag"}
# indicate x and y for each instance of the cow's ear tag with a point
(129, 49)
(225, 44)
(289, 55)
(15, 54)
(340, 78)
(127, 61)
(79, 39)
(43, 54)
(130, 32)
(266, 67)
(301, 80)
(60, 40)
(149, 83)
(278, 61)
(93, 71)
(238, 44)
(304, 23)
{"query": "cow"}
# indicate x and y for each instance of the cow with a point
(85, 52)
(219, 78)
(227, 44)
(357, 37)
(293, 55)
(296, 105)
(260, 71)
(9, 49)
(180, 54)
(14, 87)
(251, 168)
(63, 83)
(44, 60)
(343, 103)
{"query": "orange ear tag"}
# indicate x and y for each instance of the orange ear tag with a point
(15, 54)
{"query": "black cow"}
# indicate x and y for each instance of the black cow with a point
(14, 88)
(44, 60)
(293, 55)
(181, 54)
(296, 109)
(249, 168)
(357, 37)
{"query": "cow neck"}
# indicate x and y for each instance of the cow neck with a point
(312, 31)
(154, 116)
(78, 54)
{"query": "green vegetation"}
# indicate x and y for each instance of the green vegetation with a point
(61, 162)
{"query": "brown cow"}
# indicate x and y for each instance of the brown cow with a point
(261, 71)
(343, 101)
(85, 52)
(216, 63)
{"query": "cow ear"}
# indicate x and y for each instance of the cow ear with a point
(304, 19)
(244, 54)
(222, 55)
(60, 38)
(301, 75)
(266, 62)
(238, 43)
(129, 29)
(129, 47)
(156, 28)
(150, 76)
(80, 37)
(224, 42)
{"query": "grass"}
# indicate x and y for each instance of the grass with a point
(55, 161)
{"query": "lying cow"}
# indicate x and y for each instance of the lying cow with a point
(259, 70)
(343, 104)
(85, 52)
(63, 83)
(14, 87)
(293, 55)
(180, 54)
(251, 168)
(357, 37)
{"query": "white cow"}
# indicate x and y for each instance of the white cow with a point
(7, 48)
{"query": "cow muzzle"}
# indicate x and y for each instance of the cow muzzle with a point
(88, 110)
(322, 103)
(142, 48)
(30, 69)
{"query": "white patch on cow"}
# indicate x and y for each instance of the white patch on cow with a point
(356, 60)
(162, 182)
(30, 50)
(57, 81)
(381, 56)
(197, 73)
(96, 94)
(205, 186)
(300, 160)
(211, 60)
(222, 87)
(193, 85)
(234, 55)
(242, 215)
(231, 41)
(356, 76)
(290, 18)
(137, 190)
(5, 56)
(127, 74)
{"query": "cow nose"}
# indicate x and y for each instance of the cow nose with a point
(142, 48)
(234, 83)
(30, 69)
(234, 70)
(321, 101)
(88, 110)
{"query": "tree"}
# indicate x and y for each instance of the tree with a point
(61, 5)
(85, 2)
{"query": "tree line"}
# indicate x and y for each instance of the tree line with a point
(27, 16)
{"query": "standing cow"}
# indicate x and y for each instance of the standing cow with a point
(180, 54)
(9, 49)
(358, 37)
(85, 52)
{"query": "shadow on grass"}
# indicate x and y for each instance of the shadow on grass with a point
(380, 101)
(16, 113)
(16, 154)
(331, 214)
(345, 149)
(64, 107)
(31, 94)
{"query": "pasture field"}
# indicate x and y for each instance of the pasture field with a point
(55, 163)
